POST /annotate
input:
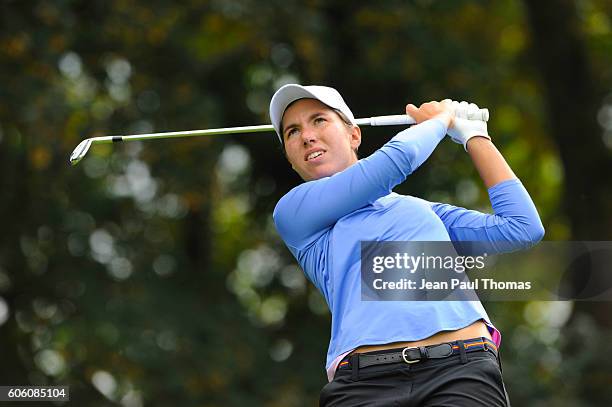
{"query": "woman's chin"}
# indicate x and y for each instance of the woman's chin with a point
(321, 171)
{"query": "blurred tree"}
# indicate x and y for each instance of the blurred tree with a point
(574, 101)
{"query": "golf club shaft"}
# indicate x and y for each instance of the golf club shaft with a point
(372, 121)
(189, 133)
(80, 151)
(392, 120)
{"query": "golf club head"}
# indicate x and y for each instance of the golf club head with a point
(80, 151)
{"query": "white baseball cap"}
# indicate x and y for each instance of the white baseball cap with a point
(288, 94)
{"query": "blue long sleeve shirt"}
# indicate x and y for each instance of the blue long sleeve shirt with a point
(322, 222)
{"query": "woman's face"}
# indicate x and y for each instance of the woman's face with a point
(317, 142)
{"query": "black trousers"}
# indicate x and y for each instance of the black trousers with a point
(474, 381)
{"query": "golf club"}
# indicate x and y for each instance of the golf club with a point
(394, 120)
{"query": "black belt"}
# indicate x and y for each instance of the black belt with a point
(418, 353)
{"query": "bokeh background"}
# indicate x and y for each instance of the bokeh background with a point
(151, 274)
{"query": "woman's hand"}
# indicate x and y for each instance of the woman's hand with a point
(443, 111)
(465, 125)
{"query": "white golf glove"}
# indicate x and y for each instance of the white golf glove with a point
(464, 127)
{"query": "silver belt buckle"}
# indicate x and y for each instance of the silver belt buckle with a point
(406, 358)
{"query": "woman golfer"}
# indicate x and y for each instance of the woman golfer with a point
(393, 353)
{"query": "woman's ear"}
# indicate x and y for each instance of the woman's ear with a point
(355, 137)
